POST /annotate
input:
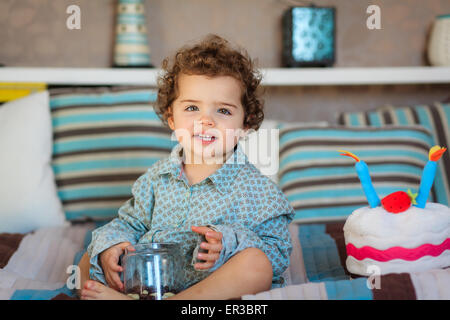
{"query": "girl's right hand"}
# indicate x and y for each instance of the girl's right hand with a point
(109, 260)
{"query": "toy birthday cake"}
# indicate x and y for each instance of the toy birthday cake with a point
(401, 232)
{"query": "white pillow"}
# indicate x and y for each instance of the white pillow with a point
(28, 196)
(262, 148)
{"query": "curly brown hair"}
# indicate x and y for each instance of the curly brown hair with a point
(213, 56)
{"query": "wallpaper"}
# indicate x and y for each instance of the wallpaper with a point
(34, 33)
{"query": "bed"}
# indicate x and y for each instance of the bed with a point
(318, 272)
(41, 266)
(38, 265)
(99, 139)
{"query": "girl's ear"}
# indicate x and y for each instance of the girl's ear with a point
(170, 118)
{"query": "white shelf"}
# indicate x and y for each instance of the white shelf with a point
(272, 76)
(357, 76)
(80, 76)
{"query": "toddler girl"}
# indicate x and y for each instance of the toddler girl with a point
(206, 189)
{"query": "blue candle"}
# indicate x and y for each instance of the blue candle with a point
(366, 182)
(363, 174)
(428, 174)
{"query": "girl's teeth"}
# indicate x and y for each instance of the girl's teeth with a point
(206, 138)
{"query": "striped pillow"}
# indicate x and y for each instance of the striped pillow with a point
(322, 185)
(434, 117)
(104, 139)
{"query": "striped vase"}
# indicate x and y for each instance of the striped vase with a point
(131, 47)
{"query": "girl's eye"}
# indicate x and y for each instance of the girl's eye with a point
(189, 108)
(226, 111)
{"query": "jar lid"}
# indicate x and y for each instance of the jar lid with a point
(152, 247)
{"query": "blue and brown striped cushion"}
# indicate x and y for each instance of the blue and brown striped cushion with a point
(435, 117)
(322, 185)
(104, 139)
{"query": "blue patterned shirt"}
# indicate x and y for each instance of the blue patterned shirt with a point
(237, 200)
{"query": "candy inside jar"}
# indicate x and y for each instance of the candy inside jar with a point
(152, 271)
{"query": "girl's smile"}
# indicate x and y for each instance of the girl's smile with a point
(206, 140)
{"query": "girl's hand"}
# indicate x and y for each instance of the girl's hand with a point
(109, 260)
(213, 245)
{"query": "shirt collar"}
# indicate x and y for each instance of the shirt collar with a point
(173, 163)
(222, 177)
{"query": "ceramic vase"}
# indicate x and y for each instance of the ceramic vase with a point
(131, 47)
(439, 43)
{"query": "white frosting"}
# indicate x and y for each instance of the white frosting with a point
(412, 228)
(365, 267)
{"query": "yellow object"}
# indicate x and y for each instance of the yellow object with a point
(349, 154)
(412, 197)
(436, 153)
(12, 91)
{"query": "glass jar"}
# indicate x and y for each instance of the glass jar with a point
(152, 271)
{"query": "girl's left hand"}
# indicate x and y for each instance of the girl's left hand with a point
(213, 245)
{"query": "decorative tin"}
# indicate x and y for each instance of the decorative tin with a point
(309, 36)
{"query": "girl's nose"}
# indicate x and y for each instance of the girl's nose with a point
(205, 121)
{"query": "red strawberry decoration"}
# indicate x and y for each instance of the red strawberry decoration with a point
(396, 202)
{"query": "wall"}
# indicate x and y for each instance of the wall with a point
(34, 33)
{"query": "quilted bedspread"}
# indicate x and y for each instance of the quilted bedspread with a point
(35, 266)
(319, 259)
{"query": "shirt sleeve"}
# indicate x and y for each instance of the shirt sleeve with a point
(133, 221)
(271, 235)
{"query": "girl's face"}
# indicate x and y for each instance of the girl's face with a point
(207, 117)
